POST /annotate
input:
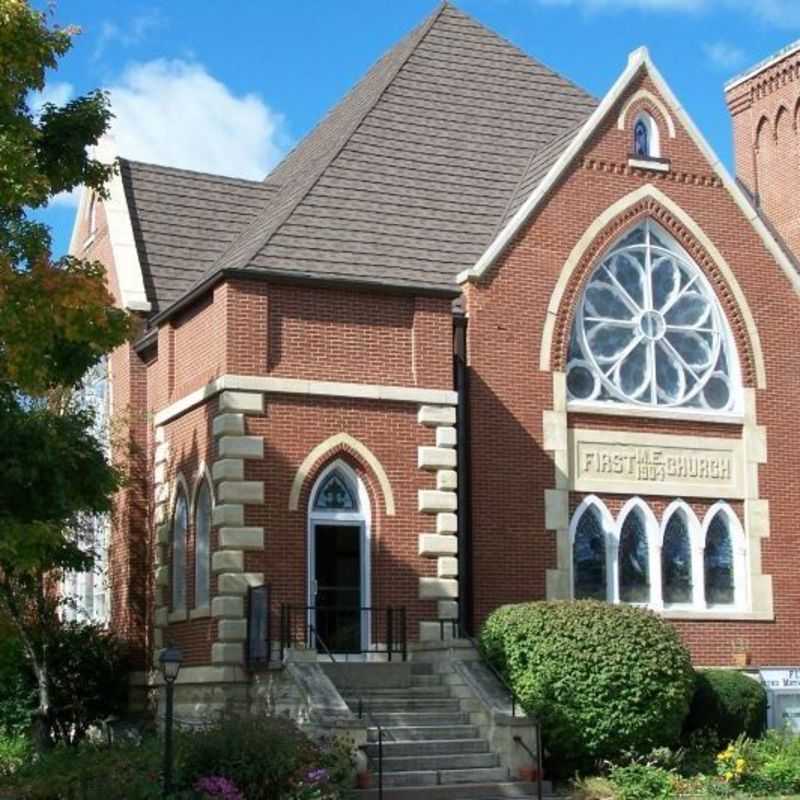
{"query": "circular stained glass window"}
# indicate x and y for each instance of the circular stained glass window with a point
(648, 330)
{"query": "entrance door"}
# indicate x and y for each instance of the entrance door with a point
(337, 569)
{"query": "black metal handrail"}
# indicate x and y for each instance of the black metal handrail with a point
(459, 633)
(393, 620)
(320, 641)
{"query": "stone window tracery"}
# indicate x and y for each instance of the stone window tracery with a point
(335, 494)
(688, 568)
(649, 332)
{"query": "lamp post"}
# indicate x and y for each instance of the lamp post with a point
(170, 660)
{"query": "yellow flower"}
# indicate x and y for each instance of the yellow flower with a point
(728, 775)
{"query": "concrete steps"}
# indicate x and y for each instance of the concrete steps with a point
(432, 748)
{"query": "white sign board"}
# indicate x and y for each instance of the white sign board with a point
(783, 697)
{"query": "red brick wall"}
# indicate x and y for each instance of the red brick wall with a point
(507, 310)
(764, 110)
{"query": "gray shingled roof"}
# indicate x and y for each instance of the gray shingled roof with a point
(182, 221)
(408, 179)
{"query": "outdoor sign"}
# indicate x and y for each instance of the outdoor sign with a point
(783, 697)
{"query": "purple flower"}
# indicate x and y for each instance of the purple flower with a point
(317, 775)
(217, 787)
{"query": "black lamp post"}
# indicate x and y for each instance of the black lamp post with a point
(170, 660)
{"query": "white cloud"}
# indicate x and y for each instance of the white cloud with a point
(724, 55)
(780, 13)
(173, 112)
(134, 32)
(56, 93)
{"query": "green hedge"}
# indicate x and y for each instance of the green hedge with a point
(603, 679)
(729, 703)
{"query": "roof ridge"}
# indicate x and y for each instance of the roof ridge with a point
(417, 36)
(192, 172)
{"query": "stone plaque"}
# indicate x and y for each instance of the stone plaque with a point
(661, 464)
(783, 691)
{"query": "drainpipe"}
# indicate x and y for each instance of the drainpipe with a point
(461, 384)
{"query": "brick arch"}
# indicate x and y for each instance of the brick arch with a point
(781, 118)
(644, 100)
(360, 457)
(761, 127)
(650, 202)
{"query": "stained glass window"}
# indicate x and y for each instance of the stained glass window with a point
(641, 139)
(676, 561)
(589, 557)
(202, 551)
(335, 494)
(179, 530)
(718, 562)
(634, 560)
(648, 330)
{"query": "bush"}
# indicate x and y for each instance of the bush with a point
(266, 758)
(603, 679)
(17, 689)
(14, 752)
(728, 703)
(642, 782)
(129, 771)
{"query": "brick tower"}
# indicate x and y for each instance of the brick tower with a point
(764, 103)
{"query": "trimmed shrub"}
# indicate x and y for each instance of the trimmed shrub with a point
(728, 703)
(603, 679)
(265, 758)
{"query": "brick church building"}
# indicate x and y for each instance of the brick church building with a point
(480, 338)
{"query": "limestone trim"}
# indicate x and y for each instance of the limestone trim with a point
(309, 388)
(757, 603)
(649, 97)
(616, 209)
(127, 267)
(331, 445)
(638, 61)
(440, 462)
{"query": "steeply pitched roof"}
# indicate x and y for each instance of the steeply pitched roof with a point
(183, 220)
(408, 179)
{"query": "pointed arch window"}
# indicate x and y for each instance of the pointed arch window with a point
(676, 561)
(336, 494)
(202, 550)
(180, 525)
(589, 556)
(634, 560)
(718, 562)
(649, 332)
(641, 139)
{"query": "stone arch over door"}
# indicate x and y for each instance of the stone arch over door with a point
(650, 201)
(339, 444)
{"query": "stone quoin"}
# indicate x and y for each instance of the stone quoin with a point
(480, 338)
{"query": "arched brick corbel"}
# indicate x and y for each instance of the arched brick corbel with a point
(605, 218)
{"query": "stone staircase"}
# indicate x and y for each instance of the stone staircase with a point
(432, 745)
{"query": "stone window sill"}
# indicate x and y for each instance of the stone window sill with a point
(178, 615)
(717, 615)
(200, 612)
(576, 407)
(653, 164)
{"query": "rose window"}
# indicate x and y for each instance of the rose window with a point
(648, 330)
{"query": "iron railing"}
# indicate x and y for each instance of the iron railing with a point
(320, 643)
(458, 632)
(386, 628)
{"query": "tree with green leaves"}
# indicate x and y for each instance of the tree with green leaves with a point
(57, 322)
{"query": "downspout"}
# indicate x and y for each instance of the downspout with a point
(461, 384)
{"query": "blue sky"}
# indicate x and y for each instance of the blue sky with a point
(230, 86)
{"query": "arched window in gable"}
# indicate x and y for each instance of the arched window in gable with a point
(180, 526)
(646, 140)
(634, 559)
(649, 331)
(589, 569)
(202, 548)
(676, 561)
